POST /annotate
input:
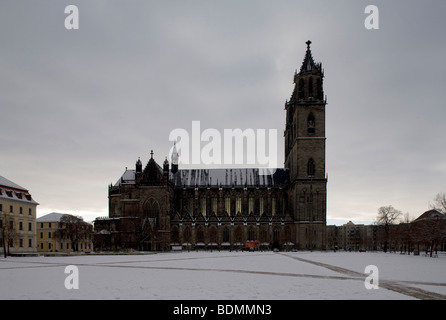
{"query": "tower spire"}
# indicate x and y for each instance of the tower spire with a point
(308, 63)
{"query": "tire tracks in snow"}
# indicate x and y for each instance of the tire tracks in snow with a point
(393, 285)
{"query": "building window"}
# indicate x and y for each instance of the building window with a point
(319, 89)
(200, 234)
(311, 167)
(300, 94)
(228, 204)
(250, 204)
(276, 235)
(11, 209)
(214, 205)
(1, 207)
(21, 210)
(191, 205)
(21, 225)
(238, 204)
(273, 206)
(311, 124)
(30, 212)
(203, 206)
(262, 207)
(310, 87)
(30, 243)
(30, 226)
(49, 235)
(251, 235)
(226, 234)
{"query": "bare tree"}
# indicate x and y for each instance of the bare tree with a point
(387, 216)
(73, 228)
(405, 229)
(439, 202)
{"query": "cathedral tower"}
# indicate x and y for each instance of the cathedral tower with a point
(305, 153)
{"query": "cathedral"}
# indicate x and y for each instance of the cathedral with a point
(155, 207)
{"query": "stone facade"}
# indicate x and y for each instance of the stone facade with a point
(160, 208)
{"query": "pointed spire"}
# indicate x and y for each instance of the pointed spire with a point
(175, 155)
(174, 158)
(308, 63)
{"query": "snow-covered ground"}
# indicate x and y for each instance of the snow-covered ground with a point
(225, 276)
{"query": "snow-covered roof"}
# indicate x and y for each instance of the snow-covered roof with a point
(230, 177)
(127, 177)
(12, 191)
(9, 184)
(236, 177)
(51, 217)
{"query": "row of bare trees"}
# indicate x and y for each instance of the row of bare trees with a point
(427, 231)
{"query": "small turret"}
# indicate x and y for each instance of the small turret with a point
(138, 166)
(174, 159)
(166, 165)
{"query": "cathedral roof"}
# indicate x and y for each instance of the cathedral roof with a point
(234, 177)
(229, 177)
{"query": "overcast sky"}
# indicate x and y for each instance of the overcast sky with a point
(78, 106)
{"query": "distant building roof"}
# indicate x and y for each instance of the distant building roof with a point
(430, 215)
(51, 217)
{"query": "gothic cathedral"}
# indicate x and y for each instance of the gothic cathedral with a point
(167, 207)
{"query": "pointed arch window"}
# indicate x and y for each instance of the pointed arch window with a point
(311, 168)
(227, 204)
(250, 204)
(319, 92)
(311, 124)
(214, 204)
(310, 87)
(251, 234)
(203, 206)
(262, 205)
(300, 92)
(226, 234)
(238, 204)
(200, 234)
